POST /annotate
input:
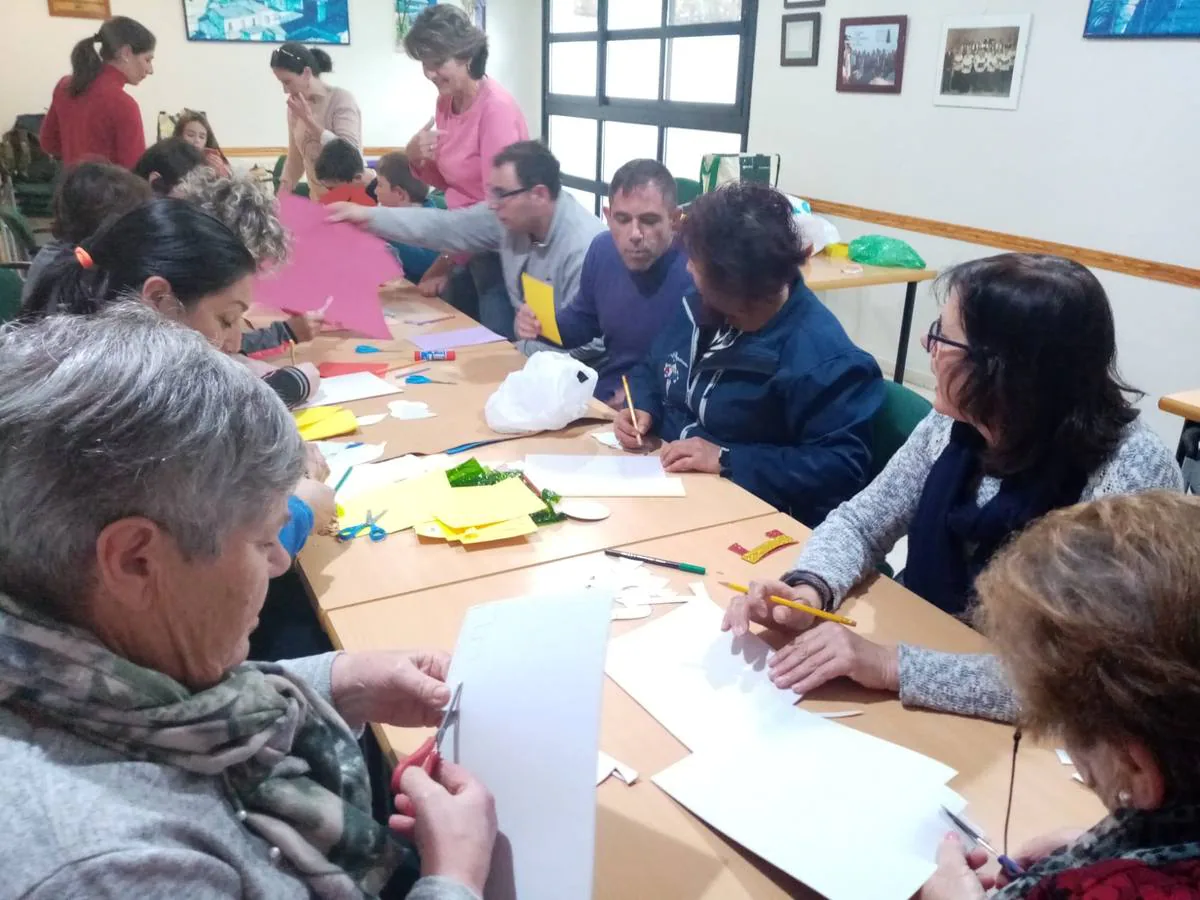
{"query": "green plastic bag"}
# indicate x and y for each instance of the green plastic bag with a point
(877, 250)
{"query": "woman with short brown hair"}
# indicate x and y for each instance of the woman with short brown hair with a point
(1095, 615)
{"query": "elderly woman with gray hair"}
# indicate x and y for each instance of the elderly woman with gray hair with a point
(142, 755)
(474, 120)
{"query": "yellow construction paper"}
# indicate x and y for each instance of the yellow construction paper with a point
(540, 297)
(403, 504)
(435, 531)
(323, 422)
(500, 531)
(467, 507)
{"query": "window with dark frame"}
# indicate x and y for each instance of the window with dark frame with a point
(623, 79)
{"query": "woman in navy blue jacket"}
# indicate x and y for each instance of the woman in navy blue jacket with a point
(754, 379)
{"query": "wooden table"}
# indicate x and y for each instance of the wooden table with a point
(647, 845)
(1186, 405)
(824, 273)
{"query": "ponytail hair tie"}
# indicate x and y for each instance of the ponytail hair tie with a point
(85, 258)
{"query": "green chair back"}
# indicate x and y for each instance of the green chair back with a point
(688, 189)
(900, 413)
(300, 190)
(10, 294)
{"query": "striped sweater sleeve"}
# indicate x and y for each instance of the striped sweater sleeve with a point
(291, 384)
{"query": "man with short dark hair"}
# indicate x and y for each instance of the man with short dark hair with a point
(537, 230)
(634, 277)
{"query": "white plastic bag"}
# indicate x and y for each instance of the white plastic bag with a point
(550, 393)
(816, 232)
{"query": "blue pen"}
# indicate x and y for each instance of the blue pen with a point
(1007, 863)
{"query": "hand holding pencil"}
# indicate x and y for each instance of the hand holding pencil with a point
(756, 606)
(632, 425)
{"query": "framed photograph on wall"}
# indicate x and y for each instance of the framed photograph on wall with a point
(80, 9)
(871, 55)
(983, 59)
(322, 22)
(1142, 19)
(800, 43)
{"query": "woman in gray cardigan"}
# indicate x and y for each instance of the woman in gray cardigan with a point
(146, 477)
(1029, 416)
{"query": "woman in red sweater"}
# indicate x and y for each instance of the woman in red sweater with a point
(91, 116)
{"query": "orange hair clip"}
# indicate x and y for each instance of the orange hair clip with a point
(85, 258)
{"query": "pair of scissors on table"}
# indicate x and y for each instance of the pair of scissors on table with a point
(370, 526)
(429, 754)
(1010, 866)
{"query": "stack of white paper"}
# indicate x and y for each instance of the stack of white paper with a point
(602, 476)
(348, 388)
(802, 792)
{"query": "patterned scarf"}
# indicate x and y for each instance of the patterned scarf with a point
(1130, 854)
(287, 758)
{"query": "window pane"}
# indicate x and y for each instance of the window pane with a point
(634, 13)
(633, 69)
(685, 148)
(573, 141)
(703, 69)
(586, 200)
(689, 12)
(623, 142)
(573, 15)
(573, 68)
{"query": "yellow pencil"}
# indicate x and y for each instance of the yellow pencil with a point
(629, 403)
(792, 604)
(292, 351)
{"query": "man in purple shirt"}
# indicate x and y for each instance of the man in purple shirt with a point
(632, 281)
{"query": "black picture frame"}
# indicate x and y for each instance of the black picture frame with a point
(815, 18)
(844, 86)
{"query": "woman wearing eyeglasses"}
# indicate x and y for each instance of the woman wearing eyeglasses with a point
(317, 113)
(1095, 615)
(1029, 416)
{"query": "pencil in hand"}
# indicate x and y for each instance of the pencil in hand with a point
(632, 415)
(792, 604)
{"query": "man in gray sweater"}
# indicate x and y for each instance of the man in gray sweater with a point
(537, 229)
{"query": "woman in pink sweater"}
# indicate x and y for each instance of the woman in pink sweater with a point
(475, 119)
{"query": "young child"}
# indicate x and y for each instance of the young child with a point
(90, 194)
(167, 163)
(397, 186)
(339, 168)
(193, 127)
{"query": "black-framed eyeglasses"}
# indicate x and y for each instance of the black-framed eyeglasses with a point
(935, 336)
(500, 196)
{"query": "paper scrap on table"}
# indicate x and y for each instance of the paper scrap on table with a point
(377, 475)
(606, 765)
(334, 369)
(410, 409)
(633, 584)
(341, 456)
(487, 504)
(532, 674)
(403, 504)
(539, 297)
(329, 260)
(844, 714)
(477, 534)
(451, 340)
(602, 476)
(622, 612)
(1079, 778)
(607, 438)
(365, 421)
(1064, 757)
(322, 422)
(348, 388)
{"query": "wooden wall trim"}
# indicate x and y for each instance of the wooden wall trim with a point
(1096, 259)
(280, 151)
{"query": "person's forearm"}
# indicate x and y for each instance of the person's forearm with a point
(459, 231)
(434, 887)
(960, 683)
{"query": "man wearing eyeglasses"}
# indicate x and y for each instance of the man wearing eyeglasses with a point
(537, 229)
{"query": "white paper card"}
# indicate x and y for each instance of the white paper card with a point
(367, 421)
(410, 409)
(607, 438)
(532, 671)
(606, 766)
(376, 475)
(340, 456)
(602, 476)
(348, 388)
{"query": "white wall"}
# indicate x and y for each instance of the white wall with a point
(1101, 153)
(233, 83)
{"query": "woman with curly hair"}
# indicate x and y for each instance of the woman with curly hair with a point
(754, 379)
(1095, 615)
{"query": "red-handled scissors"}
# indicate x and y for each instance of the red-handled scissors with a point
(428, 755)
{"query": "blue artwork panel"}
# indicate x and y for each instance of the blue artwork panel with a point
(268, 21)
(1143, 18)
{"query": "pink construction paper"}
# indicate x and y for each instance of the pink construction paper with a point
(450, 340)
(329, 259)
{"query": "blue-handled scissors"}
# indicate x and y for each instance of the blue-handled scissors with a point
(1007, 863)
(370, 526)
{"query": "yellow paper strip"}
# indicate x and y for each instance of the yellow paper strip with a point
(404, 504)
(540, 297)
(500, 531)
(468, 507)
(341, 422)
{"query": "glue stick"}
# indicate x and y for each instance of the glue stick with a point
(433, 355)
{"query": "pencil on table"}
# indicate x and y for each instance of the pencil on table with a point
(629, 403)
(792, 604)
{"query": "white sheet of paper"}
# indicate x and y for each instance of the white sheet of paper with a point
(377, 475)
(606, 766)
(348, 388)
(410, 409)
(898, 818)
(342, 455)
(532, 671)
(366, 421)
(622, 613)
(607, 438)
(602, 476)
